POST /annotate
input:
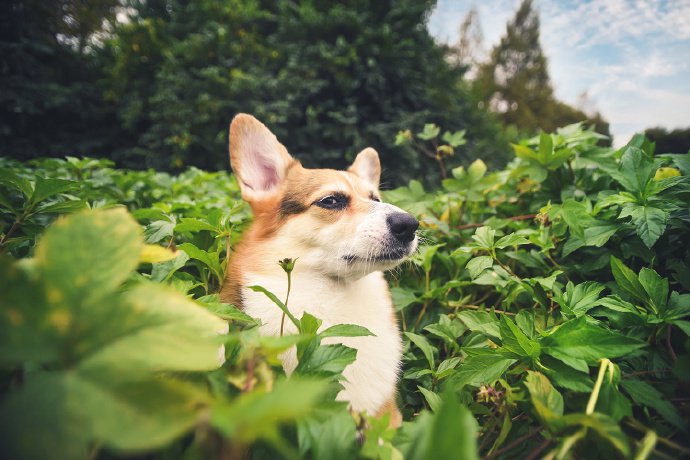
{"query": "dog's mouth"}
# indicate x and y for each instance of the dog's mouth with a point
(385, 256)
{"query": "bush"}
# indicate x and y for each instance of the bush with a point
(546, 313)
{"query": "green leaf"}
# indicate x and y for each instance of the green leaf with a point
(564, 376)
(480, 369)
(10, 180)
(578, 300)
(309, 324)
(627, 280)
(88, 255)
(478, 264)
(45, 188)
(428, 253)
(432, 399)
(161, 272)
(655, 286)
(636, 169)
(346, 330)
(643, 393)
(423, 345)
(177, 334)
(477, 169)
(188, 224)
(430, 132)
(402, 297)
(224, 310)
(456, 139)
(484, 237)
(516, 341)
(579, 339)
(159, 230)
(206, 258)
(545, 148)
(59, 415)
(326, 360)
(511, 240)
(481, 321)
(279, 303)
(259, 414)
(450, 432)
(649, 221)
(602, 424)
(547, 401)
(62, 207)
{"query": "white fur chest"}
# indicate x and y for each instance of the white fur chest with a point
(371, 379)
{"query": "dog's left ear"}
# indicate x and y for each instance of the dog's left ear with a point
(367, 166)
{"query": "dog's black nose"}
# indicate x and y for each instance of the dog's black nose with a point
(402, 226)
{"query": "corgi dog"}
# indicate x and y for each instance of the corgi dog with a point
(342, 235)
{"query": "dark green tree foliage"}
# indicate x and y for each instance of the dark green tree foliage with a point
(329, 78)
(50, 103)
(675, 141)
(515, 81)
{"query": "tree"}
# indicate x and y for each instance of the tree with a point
(328, 77)
(675, 141)
(50, 102)
(515, 84)
(469, 49)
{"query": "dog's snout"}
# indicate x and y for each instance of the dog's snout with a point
(402, 226)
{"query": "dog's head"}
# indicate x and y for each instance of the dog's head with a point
(334, 221)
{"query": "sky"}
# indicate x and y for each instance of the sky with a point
(631, 57)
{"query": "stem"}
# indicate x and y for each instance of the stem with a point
(287, 297)
(477, 307)
(6, 236)
(249, 382)
(535, 453)
(442, 167)
(426, 302)
(632, 423)
(503, 266)
(514, 218)
(674, 357)
(605, 363)
(515, 443)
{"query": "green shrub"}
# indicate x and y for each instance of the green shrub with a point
(547, 313)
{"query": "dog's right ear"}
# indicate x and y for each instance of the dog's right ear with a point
(259, 161)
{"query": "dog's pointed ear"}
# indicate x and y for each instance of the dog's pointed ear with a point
(259, 161)
(367, 166)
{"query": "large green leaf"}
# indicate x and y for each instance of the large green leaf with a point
(478, 369)
(516, 341)
(57, 415)
(86, 256)
(649, 221)
(423, 345)
(636, 169)
(259, 414)
(450, 433)
(627, 280)
(547, 401)
(579, 339)
(643, 393)
(175, 332)
(45, 188)
(481, 321)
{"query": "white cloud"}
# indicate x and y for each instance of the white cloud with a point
(630, 56)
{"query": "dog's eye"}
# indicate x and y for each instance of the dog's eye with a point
(373, 197)
(336, 201)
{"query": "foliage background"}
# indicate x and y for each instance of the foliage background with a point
(546, 315)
